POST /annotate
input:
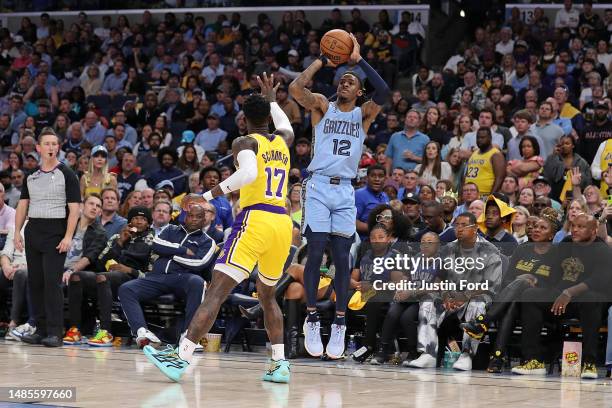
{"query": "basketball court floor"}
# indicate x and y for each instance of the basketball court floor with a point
(122, 377)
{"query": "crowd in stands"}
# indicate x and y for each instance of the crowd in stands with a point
(505, 152)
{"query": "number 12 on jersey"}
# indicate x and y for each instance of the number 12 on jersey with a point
(275, 174)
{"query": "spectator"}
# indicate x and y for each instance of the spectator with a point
(546, 130)
(128, 178)
(486, 166)
(113, 83)
(409, 184)
(125, 257)
(485, 120)
(527, 169)
(510, 189)
(497, 220)
(433, 215)
(112, 222)
(370, 196)
(209, 178)
(432, 126)
(432, 168)
(209, 228)
(477, 208)
(80, 267)
(302, 156)
(295, 197)
(149, 161)
(519, 224)
(210, 138)
(578, 295)
(406, 148)
(423, 100)
(568, 16)
(176, 269)
(13, 193)
(478, 95)
(558, 166)
(94, 131)
(97, 177)
(595, 134)
(468, 245)
(161, 215)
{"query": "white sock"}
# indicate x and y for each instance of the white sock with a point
(186, 349)
(278, 352)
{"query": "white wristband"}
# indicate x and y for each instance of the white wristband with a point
(208, 195)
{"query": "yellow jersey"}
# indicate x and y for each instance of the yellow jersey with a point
(604, 162)
(479, 171)
(273, 164)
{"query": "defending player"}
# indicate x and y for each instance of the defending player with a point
(261, 234)
(340, 128)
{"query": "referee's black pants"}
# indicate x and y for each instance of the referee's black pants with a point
(45, 270)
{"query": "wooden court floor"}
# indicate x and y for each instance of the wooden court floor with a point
(122, 377)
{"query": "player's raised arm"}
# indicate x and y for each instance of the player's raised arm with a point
(244, 149)
(280, 119)
(312, 101)
(381, 90)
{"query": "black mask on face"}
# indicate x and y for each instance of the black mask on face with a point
(294, 179)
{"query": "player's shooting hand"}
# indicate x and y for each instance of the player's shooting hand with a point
(329, 63)
(356, 54)
(268, 90)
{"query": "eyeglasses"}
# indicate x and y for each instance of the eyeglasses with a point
(381, 218)
(461, 226)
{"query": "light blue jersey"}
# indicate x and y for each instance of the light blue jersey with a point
(338, 139)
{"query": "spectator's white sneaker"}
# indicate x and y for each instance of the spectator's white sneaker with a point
(199, 348)
(312, 338)
(145, 337)
(335, 347)
(463, 363)
(18, 332)
(425, 360)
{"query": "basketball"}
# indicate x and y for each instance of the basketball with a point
(337, 46)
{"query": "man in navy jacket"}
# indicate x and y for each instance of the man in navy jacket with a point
(183, 253)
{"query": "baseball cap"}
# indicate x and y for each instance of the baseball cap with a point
(196, 64)
(99, 149)
(43, 102)
(521, 43)
(34, 155)
(601, 105)
(293, 53)
(226, 24)
(188, 136)
(411, 198)
(302, 140)
(212, 115)
(164, 183)
(541, 179)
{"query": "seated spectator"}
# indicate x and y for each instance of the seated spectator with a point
(459, 306)
(295, 197)
(574, 295)
(485, 120)
(370, 196)
(497, 223)
(168, 172)
(209, 227)
(477, 207)
(148, 159)
(15, 269)
(161, 214)
(471, 84)
(519, 224)
(433, 215)
(531, 265)
(209, 178)
(404, 310)
(81, 267)
(527, 169)
(177, 269)
(127, 256)
(110, 220)
(558, 169)
(97, 177)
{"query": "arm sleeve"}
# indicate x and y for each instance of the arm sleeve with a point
(73, 190)
(25, 193)
(164, 247)
(279, 117)
(246, 173)
(381, 89)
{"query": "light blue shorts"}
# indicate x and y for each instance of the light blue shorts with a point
(328, 207)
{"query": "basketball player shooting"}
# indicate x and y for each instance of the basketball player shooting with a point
(329, 205)
(261, 234)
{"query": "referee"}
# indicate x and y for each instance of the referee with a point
(50, 197)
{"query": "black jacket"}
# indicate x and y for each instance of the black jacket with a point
(93, 242)
(135, 253)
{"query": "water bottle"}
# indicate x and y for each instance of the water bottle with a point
(352, 346)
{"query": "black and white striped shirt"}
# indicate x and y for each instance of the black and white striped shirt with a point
(49, 192)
